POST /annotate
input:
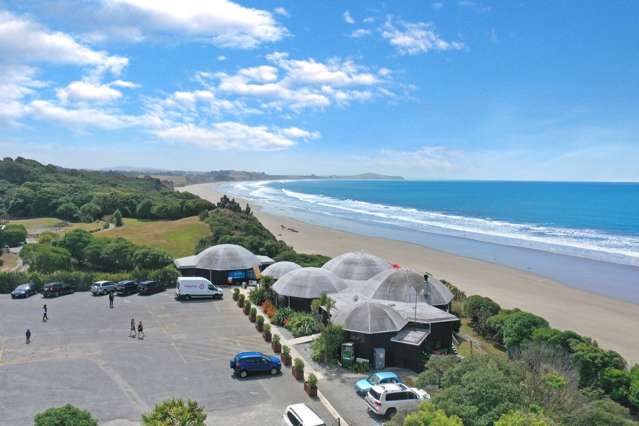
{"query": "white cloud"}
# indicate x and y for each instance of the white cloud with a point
(80, 117)
(125, 84)
(221, 58)
(412, 38)
(438, 5)
(84, 91)
(348, 18)
(427, 158)
(361, 32)
(24, 41)
(224, 22)
(228, 135)
(296, 132)
(18, 83)
(281, 11)
(260, 74)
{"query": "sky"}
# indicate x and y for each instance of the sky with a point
(470, 89)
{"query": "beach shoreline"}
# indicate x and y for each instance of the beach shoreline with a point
(613, 323)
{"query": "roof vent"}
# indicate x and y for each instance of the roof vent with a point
(355, 298)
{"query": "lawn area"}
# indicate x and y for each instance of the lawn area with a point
(51, 224)
(9, 261)
(480, 346)
(176, 237)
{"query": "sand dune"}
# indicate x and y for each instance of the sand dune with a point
(613, 323)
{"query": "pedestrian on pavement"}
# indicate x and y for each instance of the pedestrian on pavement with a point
(111, 297)
(28, 334)
(45, 317)
(140, 331)
(132, 332)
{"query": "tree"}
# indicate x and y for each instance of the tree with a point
(46, 258)
(175, 412)
(601, 412)
(435, 369)
(479, 309)
(117, 218)
(68, 211)
(512, 327)
(67, 415)
(89, 212)
(327, 346)
(428, 415)
(520, 418)
(143, 209)
(592, 361)
(76, 242)
(13, 235)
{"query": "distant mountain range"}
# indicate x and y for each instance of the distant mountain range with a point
(182, 177)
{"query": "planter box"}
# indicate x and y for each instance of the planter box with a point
(310, 390)
(277, 348)
(267, 337)
(259, 327)
(299, 375)
(252, 319)
(286, 360)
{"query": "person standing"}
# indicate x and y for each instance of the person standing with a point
(111, 297)
(28, 334)
(140, 331)
(45, 317)
(132, 332)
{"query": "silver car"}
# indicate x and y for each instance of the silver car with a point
(102, 287)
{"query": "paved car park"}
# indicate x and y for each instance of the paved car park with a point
(83, 356)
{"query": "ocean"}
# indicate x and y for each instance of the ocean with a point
(583, 234)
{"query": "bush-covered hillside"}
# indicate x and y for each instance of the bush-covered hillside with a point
(31, 189)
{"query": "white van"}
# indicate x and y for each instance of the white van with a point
(196, 287)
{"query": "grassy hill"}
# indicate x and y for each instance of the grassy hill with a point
(178, 237)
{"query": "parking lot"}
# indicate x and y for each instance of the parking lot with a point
(83, 356)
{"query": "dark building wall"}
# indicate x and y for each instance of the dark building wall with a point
(441, 335)
(296, 303)
(216, 277)
(366, 343)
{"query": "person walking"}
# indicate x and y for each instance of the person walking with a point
(140, 331)
(132, 332)
(45, 317)
(28, 334)
(111, 297)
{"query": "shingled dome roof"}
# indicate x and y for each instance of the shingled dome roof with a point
(437, 294)
(223, 257)
(370, 317)
(356, 265)
(278, 269)
(308, 283)
(401, 285)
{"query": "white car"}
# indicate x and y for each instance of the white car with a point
(102, 287)
(388, 400)
(301, 415)
(196, 287)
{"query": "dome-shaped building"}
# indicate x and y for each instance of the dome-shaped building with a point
(278, 269)
(220, 264)
(356, 266)
(300, 286)
(369, 317)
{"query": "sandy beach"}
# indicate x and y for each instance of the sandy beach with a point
(613, 323)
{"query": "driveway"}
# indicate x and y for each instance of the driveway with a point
(83, 356)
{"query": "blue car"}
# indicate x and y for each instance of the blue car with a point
(382, 378)
(255, 362)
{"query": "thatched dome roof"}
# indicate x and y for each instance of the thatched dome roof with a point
(401, 285)
(308, 283)
(370, 317)
(223, 257)
(278, 269)
(356, 265)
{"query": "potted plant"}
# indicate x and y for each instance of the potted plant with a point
(285, 356)
(267, 332)
(253, 314)
(236, 294)
(310, 385)
(247, 307)
(298, 369)
(259, 323)
(240, 301)
(275, 344)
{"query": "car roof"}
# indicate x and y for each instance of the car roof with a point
(54, 283)
(306, 414)
(192, 279)
(390, 387)
(102, 282)
(126, 281)
(386, 375)
(147, 282)
(249, 354)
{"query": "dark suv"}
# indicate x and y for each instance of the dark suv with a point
(24, 290)
(56, 289)
(150, 287)
(255, 362)
(124, 288)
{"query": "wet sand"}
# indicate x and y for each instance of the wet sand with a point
(613, 323)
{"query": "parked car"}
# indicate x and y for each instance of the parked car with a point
(380, 378)
(255, 362)
(196, 287)
(127, 287)
(24, 291)
(56, 289)
(102, 287)
(301, 415)
(388, 400)
(150, 287)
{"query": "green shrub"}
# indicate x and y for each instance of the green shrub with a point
(312, 380)
(276, 339)
(175, 412)
(13, 235)
(257, 295)
(259, 321)
(240, 301)
(253, 313)
(302, 324)
(328, 345)
(298, 364)
(247, 307)
(282, 315)
(236, 294)
(67, 415)
(267, 328)
(167, 276)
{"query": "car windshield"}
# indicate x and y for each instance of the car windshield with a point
(373, 379)
(374, 394)
(22, 287)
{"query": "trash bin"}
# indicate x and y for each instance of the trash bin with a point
(379, 358)
(348, 353)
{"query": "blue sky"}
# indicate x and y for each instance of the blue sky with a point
(437, 90)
